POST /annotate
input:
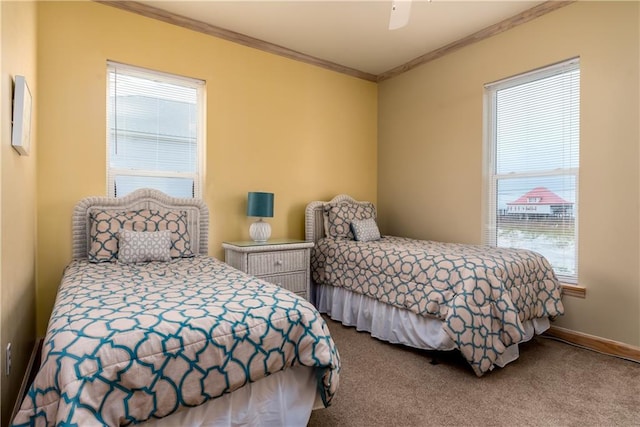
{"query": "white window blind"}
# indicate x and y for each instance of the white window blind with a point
(155, 132)
(532, 162)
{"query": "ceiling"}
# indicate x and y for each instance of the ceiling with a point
(351, 33)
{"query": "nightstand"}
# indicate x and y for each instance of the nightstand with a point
(282, 262)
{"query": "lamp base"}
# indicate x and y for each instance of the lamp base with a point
(260, 231)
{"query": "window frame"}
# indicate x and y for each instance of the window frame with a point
(491, 177)
(149, 74)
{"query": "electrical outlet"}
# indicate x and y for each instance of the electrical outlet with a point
(8, 359)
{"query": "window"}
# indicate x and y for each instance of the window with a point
(532, 153)
(155, 132)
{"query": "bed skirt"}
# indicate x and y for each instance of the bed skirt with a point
(285, 398)
(397, 326)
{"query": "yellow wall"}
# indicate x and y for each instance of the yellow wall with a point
(306, 133)
(430, 150)
(17, 202)
(273, 124)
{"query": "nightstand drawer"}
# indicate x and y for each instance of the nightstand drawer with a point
(295, 282)
(281, 262)
(277, 262)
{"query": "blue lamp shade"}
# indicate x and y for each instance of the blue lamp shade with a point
(260, 204)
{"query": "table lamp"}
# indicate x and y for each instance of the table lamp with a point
(260, 205)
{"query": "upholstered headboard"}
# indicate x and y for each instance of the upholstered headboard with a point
(197, 216)
(314, 217)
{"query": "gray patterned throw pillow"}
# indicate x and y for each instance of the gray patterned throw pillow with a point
(365, 230)
(341, 214)
(104, 226)
(143, 246)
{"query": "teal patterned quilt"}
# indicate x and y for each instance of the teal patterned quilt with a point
(481, 294)
(126, 343)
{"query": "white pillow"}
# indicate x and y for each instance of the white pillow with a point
(143, 246)
(365, 230)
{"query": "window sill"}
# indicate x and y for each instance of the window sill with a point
(573, 290)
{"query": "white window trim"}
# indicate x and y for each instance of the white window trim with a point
(489, 178)
(199, 85)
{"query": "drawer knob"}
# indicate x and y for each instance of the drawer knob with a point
(279, 262)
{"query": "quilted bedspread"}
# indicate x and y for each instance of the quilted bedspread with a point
(126, 343)
(481, 294)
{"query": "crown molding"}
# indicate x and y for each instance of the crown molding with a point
(490, 31)
(212, 30)
(202, 27)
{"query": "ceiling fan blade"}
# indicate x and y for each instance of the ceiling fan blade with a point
(400, 11)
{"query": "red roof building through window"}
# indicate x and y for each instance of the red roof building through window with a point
(540, 202)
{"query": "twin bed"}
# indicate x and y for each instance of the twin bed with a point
(147, 328)
(435, 296)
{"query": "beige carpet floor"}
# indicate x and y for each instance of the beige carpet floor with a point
(551, 384)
